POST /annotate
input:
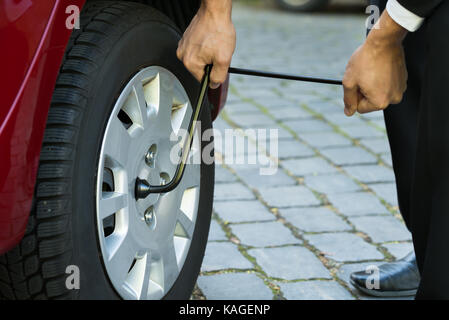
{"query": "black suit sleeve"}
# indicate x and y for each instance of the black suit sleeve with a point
(422, 8)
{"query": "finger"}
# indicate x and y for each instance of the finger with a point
(196, 68)
(350, 98)
(366, 106)
(218, 74)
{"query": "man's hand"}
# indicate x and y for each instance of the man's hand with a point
(376, 74)
(209, 39)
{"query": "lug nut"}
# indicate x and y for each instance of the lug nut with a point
(149, 216)
(150, 156)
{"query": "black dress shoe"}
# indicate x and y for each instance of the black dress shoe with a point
(395, 279)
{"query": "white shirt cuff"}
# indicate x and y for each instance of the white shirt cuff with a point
(404, 17)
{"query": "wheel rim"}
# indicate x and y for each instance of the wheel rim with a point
(144, 243)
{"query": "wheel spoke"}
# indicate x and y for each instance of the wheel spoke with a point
(141, 104)
(146, 277)
(117, 143)
(111, 202)
(120, 260)
(187, 226)
(165, 102)
(170, 263)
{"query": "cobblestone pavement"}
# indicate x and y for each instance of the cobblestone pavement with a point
(331, 208)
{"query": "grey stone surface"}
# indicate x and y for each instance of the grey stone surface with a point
(223, 175)
(254, 179)
(232, 191)
(376, 145)
(290, 263)
(349, 156)
(290, 196)
(331, 183)
(319, 219)
(372, 173)
(243, 211)
(399, 250)
(344, 247)
(356, 203)
(264, 234)
(387, 159)
(252, 120)
(224, 255)
(386, 191)
(308, 166)
(325, 140)
(362, 131)
(315, 290)
(309, 125)
(234, 286)
(382, 228)
(293, 149)
(295, 112)
(216, 233)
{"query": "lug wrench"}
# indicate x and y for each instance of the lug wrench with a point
(143, 187)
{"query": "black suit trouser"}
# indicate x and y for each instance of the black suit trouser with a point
(418, 132)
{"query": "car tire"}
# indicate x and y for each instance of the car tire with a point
(116, 41)
(302, 5)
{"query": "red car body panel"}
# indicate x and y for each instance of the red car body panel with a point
(33, 38)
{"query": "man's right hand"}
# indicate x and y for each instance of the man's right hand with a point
(209, 39)
(376, 74)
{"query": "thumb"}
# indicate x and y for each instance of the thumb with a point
(218, 75)
(351, 98)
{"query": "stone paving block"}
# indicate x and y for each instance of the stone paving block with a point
(216, 233)
(294, 112)
(234, 286)
(292, 148)
(386, 191)
(223, 175)
(308, 166)
(290, 263)
(243, 211)
(314, 219)
(382, 228)
(356, 203)
(380, 124)
(371, 173)
(387, 159)
(280, 132)
(224, 255)
(331, 183)
(252, 120)
(256, 180)
(343, 121)
(290, 196)
(232, 191)
(362, 131)
(241, 108)
(376, 115)
(349, 156)
(323, 106)
(399, 250)
(315, 290)
(344, 247)
(325, 140)
(310, 125)
(376, 145)
(264, 234)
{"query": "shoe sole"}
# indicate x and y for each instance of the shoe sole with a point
(378, 293)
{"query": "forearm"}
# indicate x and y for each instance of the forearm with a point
(217, 7)
(386, 32)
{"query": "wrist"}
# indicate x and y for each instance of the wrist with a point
(386, 32)
(217, 9)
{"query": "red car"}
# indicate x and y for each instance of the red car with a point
(91, 91)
